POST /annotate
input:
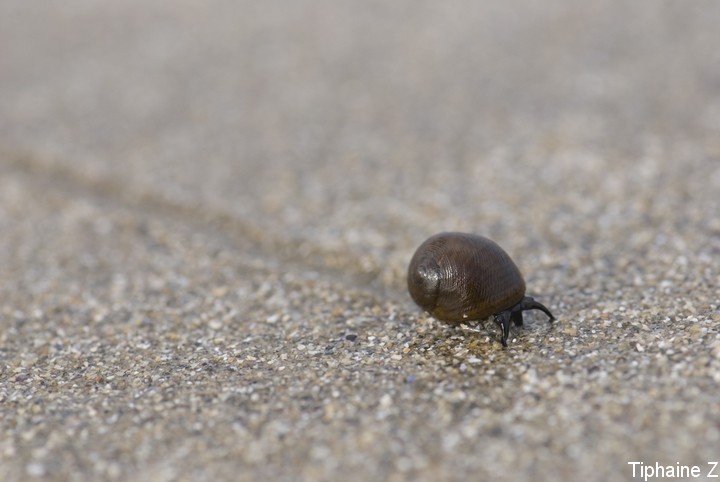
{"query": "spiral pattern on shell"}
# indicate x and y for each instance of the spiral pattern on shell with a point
(459, 276)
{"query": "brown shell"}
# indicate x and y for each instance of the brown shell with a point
(459, 276)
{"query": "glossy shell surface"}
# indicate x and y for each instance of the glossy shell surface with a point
(459, 276)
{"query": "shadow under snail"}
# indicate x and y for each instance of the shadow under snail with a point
(460, 277)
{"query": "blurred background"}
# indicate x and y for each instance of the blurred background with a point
(361, 128)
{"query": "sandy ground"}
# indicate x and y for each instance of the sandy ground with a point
(207, 210)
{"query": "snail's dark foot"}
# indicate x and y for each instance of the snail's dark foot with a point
(517, 318)
(514, 314)
(503, 319)
(529, 303)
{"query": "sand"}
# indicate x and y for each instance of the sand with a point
(207, 212)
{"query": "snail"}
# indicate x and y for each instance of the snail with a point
(461, 277)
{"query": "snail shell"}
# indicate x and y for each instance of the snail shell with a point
(461, 277)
